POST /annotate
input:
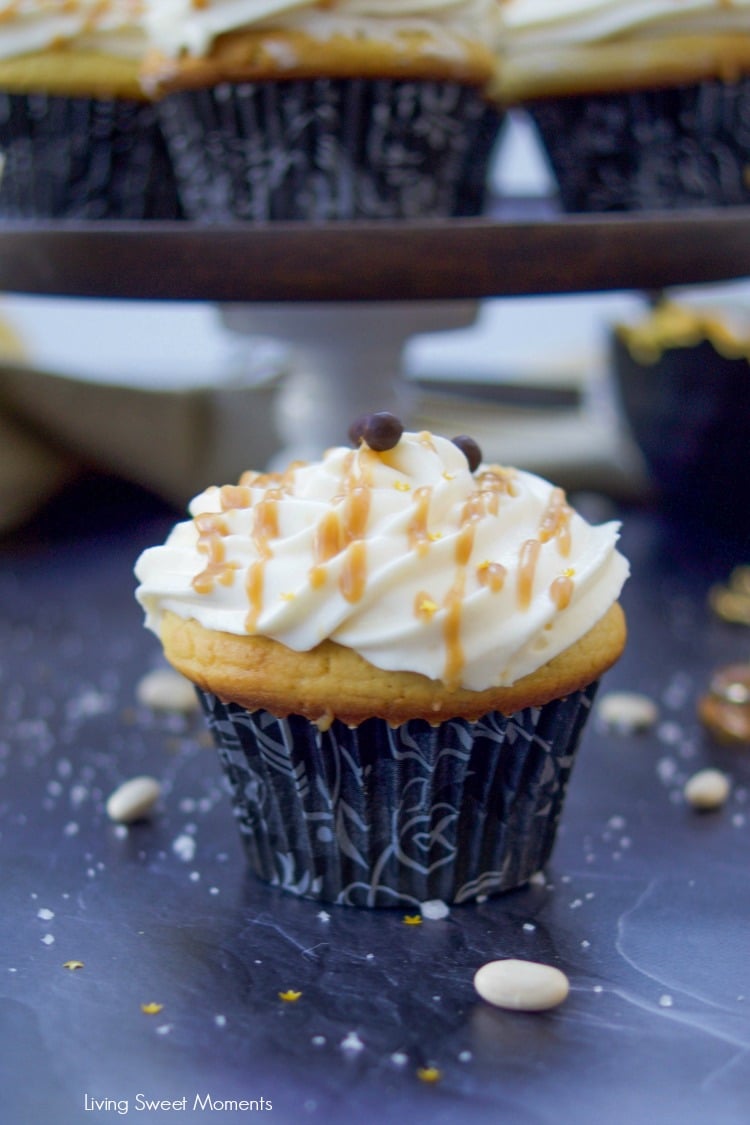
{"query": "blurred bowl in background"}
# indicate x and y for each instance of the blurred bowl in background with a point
(683, 378)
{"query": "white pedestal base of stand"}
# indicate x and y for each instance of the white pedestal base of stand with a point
(345, 360)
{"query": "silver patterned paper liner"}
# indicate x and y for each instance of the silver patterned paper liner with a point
(681, 147)
(376, 816)
(83, 158)
(321, 149)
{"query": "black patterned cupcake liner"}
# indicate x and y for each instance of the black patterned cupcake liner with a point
(322, 149)
(381, 816)
(681, 147)
(83, 158)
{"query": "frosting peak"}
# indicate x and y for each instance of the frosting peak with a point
(405, 556)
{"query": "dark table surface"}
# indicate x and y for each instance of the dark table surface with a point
(646, 905)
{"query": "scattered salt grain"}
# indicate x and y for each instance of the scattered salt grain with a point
(707, 789)
(522, 986)
(352, 1043)
(324, 916)
(628, 711)
(48, 939)
(184, 847)
(45, 914)
(166, 690)
(133, 800)
(529, 927)
(665, 1001)
(670, 733)
(399, 1058)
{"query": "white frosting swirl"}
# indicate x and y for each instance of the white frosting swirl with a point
(177, 26)
(534, 24)
(29, 26)
(405, 556)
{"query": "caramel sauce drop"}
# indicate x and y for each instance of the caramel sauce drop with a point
(254, 583)
(354, 571)
(454, 652)
(527, 571)
(561, 591)
(492, 575)
(328, 540)
(235, 496)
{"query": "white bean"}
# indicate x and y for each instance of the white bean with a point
(133, 799)
(165, 689)
(628, 710)
(707, 789)
(522, 986)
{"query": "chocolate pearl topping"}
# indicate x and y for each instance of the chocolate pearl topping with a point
(381, 431)
(470, 450)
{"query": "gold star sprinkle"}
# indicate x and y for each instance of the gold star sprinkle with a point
(72, 965)
(569, 572)
(412, 919)
(429, 1074)
(428, 607)
(402, 486)
(289, 996)
(152, 1008)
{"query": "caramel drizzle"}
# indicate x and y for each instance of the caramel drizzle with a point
(265, 528)
(454, 650)
(212, 529)
(556, 522)
(418, 532)
(344, 529)
(483, 501)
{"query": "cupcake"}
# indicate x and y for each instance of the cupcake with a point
(396, 648)
(353, 109)
(78, 137)
(639, 106)
(682, 372)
